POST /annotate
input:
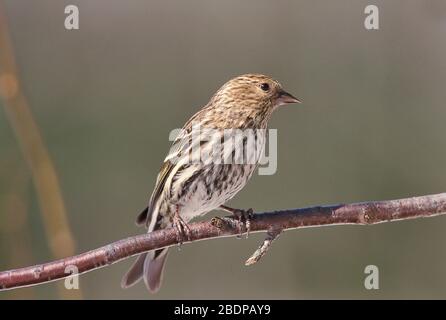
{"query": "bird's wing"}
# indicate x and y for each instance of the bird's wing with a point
(178, 155)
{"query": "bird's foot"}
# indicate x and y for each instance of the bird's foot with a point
(243, 219)
(182, 229)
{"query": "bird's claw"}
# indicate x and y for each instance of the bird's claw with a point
(182, 229)
(244, 220)
(241, 218)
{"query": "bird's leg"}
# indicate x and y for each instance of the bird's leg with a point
(243, 217)
(181, 227)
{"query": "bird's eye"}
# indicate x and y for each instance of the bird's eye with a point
(264, 86)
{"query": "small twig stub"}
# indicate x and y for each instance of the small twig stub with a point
(272, 234)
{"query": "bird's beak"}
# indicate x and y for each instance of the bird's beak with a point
(286, 98)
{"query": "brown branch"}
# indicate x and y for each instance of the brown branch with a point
(356, 214)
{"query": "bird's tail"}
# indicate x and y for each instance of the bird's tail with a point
(149, 266)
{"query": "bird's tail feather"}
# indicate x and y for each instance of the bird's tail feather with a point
(153, 269)
(134, 274)
(149, 266)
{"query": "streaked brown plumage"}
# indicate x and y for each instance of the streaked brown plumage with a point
(186, 189)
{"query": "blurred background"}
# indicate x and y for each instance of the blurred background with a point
(85, 116)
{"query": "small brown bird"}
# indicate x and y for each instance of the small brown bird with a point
(185, 188)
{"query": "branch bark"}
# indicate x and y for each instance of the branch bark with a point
(365, 213)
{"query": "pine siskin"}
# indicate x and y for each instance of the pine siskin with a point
(188, 185)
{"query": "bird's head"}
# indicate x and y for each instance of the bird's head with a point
(255, 91)
(245, 101)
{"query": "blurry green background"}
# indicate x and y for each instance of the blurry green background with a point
(372, 127)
